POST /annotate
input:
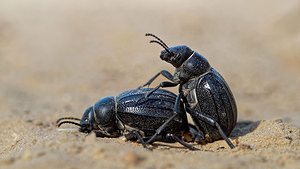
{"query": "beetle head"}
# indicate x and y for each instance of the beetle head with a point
(87, 122)
(175, 55)
(99, 117)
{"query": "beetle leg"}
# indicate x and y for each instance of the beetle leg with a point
(163, 126)
(135, 134)
(173, 138)
(165, 73)
(213, 122)
(182, 142)
(162, 84)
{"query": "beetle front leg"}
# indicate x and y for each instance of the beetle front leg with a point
(162, 84)
(165, 73)
(212, 122)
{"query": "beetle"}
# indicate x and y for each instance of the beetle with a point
(114, 116)
(205, 93)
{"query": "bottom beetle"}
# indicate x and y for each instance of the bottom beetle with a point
(114, 116)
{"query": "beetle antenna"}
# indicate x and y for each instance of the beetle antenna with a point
(71, 122)
(67, 118)
(155, 41)
(162, 42)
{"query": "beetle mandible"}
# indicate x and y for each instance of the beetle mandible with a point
(114, 116)
(205, 93)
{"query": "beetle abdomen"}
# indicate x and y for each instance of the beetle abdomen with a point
(215, 100)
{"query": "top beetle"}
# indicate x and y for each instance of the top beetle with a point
(205, 93)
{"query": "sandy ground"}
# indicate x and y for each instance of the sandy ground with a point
(59, 57)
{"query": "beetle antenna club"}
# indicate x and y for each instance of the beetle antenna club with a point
(150, 34)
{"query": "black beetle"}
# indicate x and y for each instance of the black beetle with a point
(206, 95)
(119, 115)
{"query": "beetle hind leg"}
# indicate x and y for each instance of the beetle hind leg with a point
(212, 122)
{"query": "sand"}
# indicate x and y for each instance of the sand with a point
(58, 58)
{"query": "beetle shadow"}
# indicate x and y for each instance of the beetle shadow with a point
(243, 128)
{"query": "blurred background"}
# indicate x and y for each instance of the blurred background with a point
(59, 57)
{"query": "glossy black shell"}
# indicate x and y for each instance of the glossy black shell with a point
(211, 95)
(149, 114)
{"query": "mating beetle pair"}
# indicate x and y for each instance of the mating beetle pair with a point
(204, 92)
